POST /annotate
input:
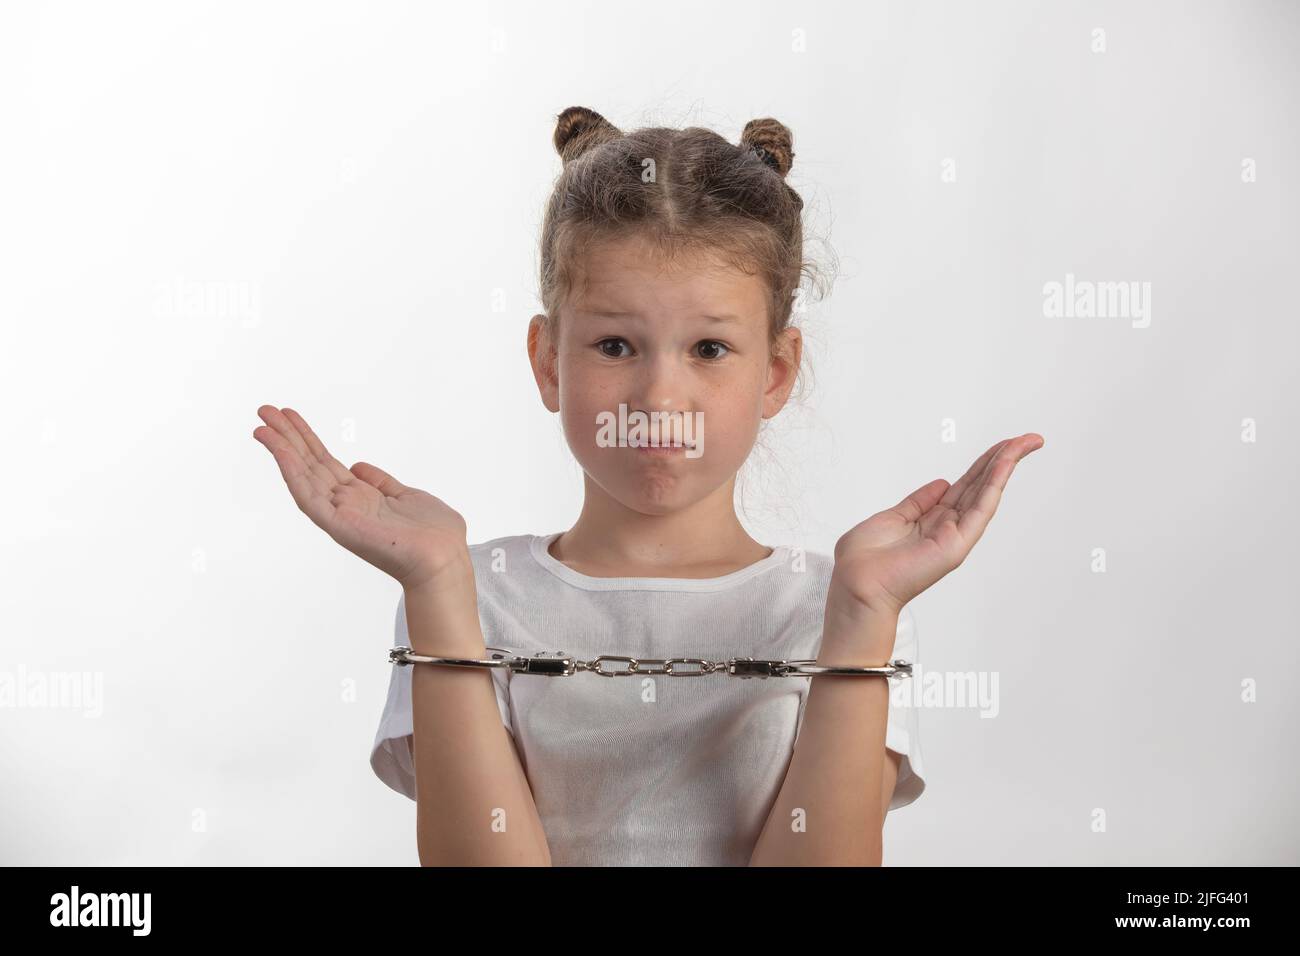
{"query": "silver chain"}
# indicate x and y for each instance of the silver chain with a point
(560, 664)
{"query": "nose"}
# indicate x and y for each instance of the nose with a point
(658, 386)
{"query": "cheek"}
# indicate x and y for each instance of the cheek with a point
(581, 402)
(736, 403)
(731, 425)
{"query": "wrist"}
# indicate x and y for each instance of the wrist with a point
(442, 617)
(450, 591)
(451, 579)
(850, 604)
(854, 633)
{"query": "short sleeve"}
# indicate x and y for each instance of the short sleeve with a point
(902, 731)
(391, 756)
(902, 735)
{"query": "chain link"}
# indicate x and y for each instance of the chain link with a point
(648, 666)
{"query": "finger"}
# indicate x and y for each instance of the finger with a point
(317, 448)
(949, 504)
(972, 491)
(317, 473)
(920, 501)
(277, 420)
(980, 510)
(1013, 448)
(311, 500)
(380, 479)
(978, 513)
(956, 490)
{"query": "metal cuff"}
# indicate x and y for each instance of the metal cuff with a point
(560, 664)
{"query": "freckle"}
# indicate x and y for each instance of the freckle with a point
(394, 542)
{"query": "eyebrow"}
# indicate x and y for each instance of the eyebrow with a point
(721, 317)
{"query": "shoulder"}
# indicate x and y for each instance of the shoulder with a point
(496, 553)
(506, 571)
(789, 598)
(491, 560)
(802, 582)
(803, 571)
(817, 564)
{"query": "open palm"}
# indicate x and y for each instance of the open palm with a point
(403, 531)
(891, 557)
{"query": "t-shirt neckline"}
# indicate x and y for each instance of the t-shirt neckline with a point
(539, 547)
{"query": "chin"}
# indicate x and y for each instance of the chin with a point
(650, 493)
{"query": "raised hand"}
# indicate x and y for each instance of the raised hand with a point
(890, 558)
(403, 531)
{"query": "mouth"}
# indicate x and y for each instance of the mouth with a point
(668, 448)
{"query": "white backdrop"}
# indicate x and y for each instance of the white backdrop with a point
(335, 207)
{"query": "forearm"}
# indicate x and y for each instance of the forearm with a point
(837, 771)
(473, 803)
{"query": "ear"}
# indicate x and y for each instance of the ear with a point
(542, 356)
(783, 367)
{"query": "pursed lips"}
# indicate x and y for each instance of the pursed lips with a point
(662, 446)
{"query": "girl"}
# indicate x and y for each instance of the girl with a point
(669, 261)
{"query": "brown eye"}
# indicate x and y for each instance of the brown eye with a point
(605, 342)
(710, 343)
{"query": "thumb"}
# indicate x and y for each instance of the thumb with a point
(378, 478)
(921, 500)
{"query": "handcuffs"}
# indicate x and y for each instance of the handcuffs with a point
(561, 664)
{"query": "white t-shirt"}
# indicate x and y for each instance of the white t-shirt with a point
(633, 771)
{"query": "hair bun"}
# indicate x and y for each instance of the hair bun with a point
(578, 128)
(771, 141)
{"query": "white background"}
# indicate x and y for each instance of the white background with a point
(371, 178)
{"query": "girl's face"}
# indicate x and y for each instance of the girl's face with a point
(694, 341)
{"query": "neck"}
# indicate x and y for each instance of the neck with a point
(705, 539)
